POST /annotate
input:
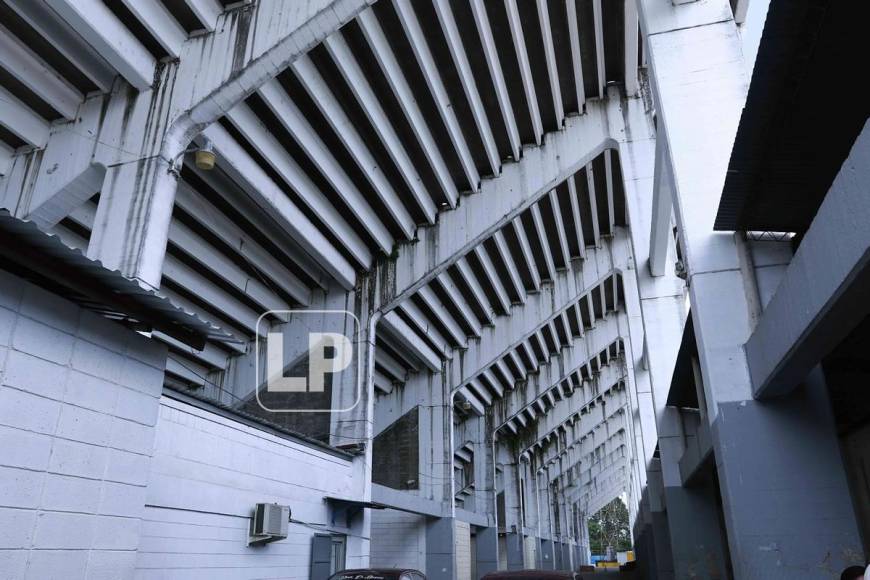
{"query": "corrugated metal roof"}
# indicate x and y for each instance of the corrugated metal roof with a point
(46, 261)
(804, 109)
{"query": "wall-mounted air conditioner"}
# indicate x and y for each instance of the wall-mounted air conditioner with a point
(268, 523)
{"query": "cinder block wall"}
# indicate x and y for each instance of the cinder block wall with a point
(79, 399)
(208, 472)
(398, 540)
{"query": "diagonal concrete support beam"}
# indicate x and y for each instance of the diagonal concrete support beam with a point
(142, 135)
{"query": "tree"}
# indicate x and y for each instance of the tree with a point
(609, 527)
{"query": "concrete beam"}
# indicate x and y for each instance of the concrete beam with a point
(805, 321)
(550, 60)
(432, 76)
(392, 323)
(99, 26)
(34, 73)
(522, 56)
(493, 64)
(631, 48)
(469, 86)
(662, 208)
(21, 121)
(495, 342)
(259, 186)
(576, 57)
(368, 100)
(50, 25)
(157, 19)
(196, 95)
(206, 11)
(391, 69)
(567, 368)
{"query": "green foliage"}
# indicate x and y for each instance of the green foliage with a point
(609, 527)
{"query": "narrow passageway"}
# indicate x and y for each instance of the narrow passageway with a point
(430, 289)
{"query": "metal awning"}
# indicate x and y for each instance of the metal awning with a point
(802, 115)
(46, 261)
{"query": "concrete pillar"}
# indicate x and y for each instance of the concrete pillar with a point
(514, 545)
(660, 533)
(644, 551)
(655, 302)
(440, 549)
(487, 550)
(122, 239)
(481, 430)
(695, 532)
(774, 518)
(566, 556)
(547, 557)
(774, 530)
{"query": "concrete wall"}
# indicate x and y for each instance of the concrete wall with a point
(208, 472)
(78, 405)
(96, 466)
(398, 540)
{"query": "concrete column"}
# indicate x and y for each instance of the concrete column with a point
(440, 549)
(656, 303)
(661, 536)
(773, 529)
(644, 551)
(775, 519)
(547, 556)
(695, 533)
(514, 544)
(481, 430)
(487, 550)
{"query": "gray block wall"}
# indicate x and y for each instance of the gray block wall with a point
(79, 399)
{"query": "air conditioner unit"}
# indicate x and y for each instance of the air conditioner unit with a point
(268, 523)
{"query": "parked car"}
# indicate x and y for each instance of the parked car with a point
(379, 574)
(532, 575)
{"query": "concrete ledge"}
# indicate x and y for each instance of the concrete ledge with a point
(407, 502)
